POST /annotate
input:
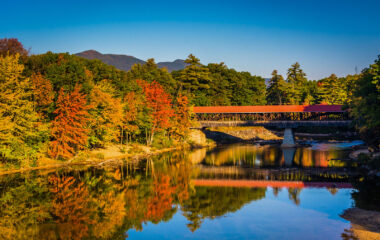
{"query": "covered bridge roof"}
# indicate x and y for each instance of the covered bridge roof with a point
(270, 109)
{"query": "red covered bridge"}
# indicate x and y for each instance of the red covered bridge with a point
(322, 108)
(272, 113)
(282, 116)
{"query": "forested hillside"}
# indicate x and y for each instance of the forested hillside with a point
(57, 104)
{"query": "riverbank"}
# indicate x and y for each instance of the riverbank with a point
(365, 224)
(113, 154)
(94, 157)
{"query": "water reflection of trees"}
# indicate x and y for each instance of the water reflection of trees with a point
(93, 203)
(294, 195)
(212, 202)
(272, 156)
(306, 175)
(104, 203)
(367, 193)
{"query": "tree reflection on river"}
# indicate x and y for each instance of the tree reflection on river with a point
(273, 156)
(160, 198)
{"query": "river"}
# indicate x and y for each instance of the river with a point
(229, 192)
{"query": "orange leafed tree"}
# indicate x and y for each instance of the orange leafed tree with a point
(71, 207)
(42, 91)
(160, 104)
(69, 128)
(161, 200)
(182, 116)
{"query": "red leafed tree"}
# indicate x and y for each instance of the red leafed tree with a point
(42, 91)
(160, 104)
(12, 46)
(69, 128)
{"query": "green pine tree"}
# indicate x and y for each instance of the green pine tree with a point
(333, 90)
(297, 80)
(277, 90)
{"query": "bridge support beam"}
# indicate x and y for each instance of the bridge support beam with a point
(288, 153)
(288, 141)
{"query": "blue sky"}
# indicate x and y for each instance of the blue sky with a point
(325, 36)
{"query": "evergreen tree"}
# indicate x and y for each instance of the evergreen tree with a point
(150, 72)
(365, 104)
(219, 91)
(333, 90)
(350, 82)
(195, 80)
(277, 90)
(296, 79)
(230, 87)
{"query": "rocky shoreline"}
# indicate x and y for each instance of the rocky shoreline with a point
(365, 224)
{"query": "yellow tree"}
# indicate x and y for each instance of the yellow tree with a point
(18, 120)
(130, 111)
(106, 114)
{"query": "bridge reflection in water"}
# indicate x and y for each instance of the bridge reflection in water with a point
(271, 166)
(263, 183)
(267, 156)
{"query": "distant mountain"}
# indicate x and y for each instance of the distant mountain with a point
(125, 62)
(122, 62)
(173, 66)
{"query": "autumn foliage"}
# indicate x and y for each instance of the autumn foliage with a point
(70, 207)
(12, 46)
(42, 91)
(162, 198)
(160, 104)
(182, 116)
(130, 111)
(45, 106)
(18, 121)
(106, 114)
(69, 128)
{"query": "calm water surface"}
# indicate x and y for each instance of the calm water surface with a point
(231, 192)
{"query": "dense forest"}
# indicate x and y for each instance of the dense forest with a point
(57, 104)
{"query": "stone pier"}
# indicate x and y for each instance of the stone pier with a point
(288, 141)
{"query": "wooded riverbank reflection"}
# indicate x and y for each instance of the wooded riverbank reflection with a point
(273, 156)
(110, 202)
